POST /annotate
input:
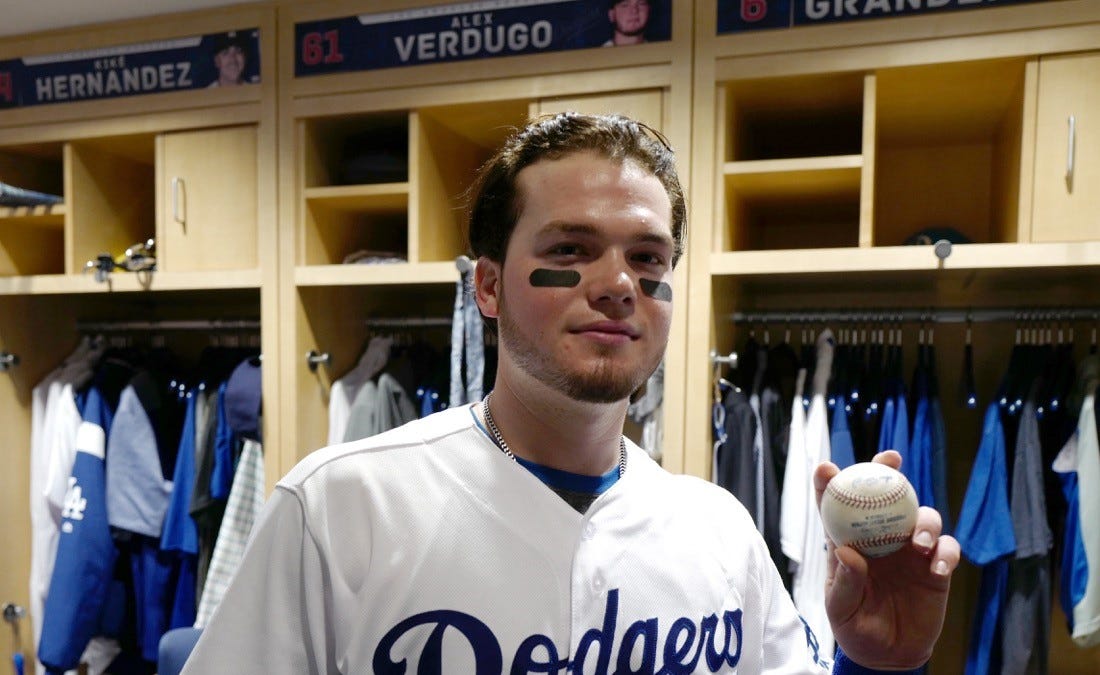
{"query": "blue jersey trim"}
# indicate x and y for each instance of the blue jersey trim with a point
(842, 665)
(556, 478)
(574, 482)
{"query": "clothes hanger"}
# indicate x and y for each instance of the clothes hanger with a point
(919, 383)
(897, 360)
(858, 369)
(717, 409)
(930, 363)
(968, 393)
(760, 365)
(872, 393)
(1015, 372)
(1063, 378)
(746, 364)
(807, 358)
(857, 359)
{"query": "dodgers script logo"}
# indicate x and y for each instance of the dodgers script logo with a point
(709, 642)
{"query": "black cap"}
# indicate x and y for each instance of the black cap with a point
(231, 39)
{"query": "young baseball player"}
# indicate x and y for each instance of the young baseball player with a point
(524, 533)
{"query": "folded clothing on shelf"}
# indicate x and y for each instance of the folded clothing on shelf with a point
(14, 196)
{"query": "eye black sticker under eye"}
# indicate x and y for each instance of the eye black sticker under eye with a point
(555, 278)
(658, 290)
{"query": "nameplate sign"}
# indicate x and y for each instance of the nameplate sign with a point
(197, 62)
(735, 16)
(474, 30)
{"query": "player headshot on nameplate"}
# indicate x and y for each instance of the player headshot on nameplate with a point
(230, 60)
(629, 20)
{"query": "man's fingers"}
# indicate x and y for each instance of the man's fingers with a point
(891, 458)
(927, 530)
(849, 578)
(822, 475)
(946, 556)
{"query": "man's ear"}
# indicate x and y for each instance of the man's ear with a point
(487, 287)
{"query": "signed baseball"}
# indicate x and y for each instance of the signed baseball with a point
(871, 508)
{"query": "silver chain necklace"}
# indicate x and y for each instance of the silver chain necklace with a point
(508, 451)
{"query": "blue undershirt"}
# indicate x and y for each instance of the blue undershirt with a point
(578, 490)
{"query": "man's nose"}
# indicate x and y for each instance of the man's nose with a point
(612, 280)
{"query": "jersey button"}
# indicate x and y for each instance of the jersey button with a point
(589, 531)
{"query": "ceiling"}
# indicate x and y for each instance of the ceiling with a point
(30, 16)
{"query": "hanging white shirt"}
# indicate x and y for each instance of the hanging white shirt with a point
(1086, 613)
(809, 582)
(796, 475)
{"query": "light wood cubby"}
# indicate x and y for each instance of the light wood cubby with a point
(32, 239)
(1067, 155)
(834, 144)
(112, 162)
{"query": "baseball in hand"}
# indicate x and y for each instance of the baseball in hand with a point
(870, 507)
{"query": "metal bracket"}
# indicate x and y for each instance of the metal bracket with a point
(315, 358)
(14, 612)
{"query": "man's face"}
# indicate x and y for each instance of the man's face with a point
(629, 16)
(601, 232)
(230, 63)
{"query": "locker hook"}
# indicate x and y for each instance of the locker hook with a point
(315, 358)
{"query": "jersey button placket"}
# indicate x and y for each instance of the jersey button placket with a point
(588, 533)
(589, 584)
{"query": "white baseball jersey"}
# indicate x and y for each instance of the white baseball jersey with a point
(427, 550)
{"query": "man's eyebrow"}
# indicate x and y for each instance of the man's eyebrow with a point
(566, 227)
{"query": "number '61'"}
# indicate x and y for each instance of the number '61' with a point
(318, 48)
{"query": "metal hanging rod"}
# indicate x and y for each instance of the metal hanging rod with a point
(315, 359)
(153, 326)
(409, 322)
(921, 315)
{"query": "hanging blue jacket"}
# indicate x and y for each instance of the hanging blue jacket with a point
(917, 466)
(987, 538)
(840, 437)
(886, 431)
(985, 528)
(82, 596)
(939, 465)
(221, 479)
(180, 538)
